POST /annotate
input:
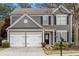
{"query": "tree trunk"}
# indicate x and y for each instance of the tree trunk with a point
(76, 34)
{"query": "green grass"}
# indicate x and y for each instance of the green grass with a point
(2, 49)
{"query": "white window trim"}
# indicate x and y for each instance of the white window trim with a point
(61, 15)
(61, 31)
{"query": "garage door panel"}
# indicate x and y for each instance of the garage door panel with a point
(34, 39)
(17, 39)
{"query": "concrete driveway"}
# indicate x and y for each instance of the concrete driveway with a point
(22, 52)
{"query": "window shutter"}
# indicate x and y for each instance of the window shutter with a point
(67, 19)
(55, 36)
(49, 20)
(55, 20)
(41, 20)
(67, 36)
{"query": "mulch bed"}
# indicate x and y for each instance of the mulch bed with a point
(68, 50)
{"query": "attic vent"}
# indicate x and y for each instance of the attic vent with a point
(25, 21)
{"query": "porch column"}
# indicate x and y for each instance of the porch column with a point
(43, 36)
(50, 39)
(53, 37)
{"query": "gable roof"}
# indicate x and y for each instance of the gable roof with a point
(21, 18)
(35, 11)
(61, 6)
(39, 11)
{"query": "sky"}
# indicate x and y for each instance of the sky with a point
(33, 5)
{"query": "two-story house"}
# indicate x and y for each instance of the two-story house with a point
(30, 27)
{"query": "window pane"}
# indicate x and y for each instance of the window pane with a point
(45, 20)
(47, 36)
(64, 36)
(61, 19)
(58, 20)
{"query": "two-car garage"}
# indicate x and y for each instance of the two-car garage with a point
(25, 39)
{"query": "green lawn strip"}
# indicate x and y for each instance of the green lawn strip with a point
(2, 49)
(49, 52)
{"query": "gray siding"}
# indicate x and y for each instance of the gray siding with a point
(37, 18)
(15, 17)
(61, 27)
(29, 24)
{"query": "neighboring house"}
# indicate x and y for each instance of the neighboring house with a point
(31, 27)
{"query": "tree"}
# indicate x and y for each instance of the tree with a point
(6, 24)
(4, 10)
(75, 8)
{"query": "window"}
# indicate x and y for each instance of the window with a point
(45, 20)
(63, 35)
(46, 36)
(61, 19)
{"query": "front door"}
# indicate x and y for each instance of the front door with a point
(47, 38)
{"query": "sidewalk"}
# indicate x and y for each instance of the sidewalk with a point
(69, 54)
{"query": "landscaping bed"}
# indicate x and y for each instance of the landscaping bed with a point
(55, 49)
(49, 51)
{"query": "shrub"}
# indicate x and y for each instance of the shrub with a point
(71, 45)
(57, 46)
(5, 44)
(1, 41)
(43, 44)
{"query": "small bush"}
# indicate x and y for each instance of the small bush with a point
(43, 44)
(1, 41)
(71, 45)
(57, 46)
(5, 44)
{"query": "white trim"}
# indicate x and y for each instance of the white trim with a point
(71, 28)
(34, 14)
(53, 36)
(10, 19)
(61, 30)
(61, 6)
(43, 36)
(25, 29)
(21, 18)
(61, 15)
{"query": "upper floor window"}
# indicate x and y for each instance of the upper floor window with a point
(61, 19)
(45, 20)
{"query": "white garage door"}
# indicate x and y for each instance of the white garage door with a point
(17, 39)
(34, 39)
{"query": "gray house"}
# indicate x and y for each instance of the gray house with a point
(31, 27)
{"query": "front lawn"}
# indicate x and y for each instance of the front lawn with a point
(50, 51)
(2, 49)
